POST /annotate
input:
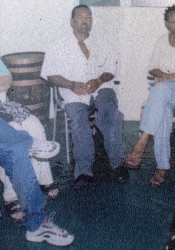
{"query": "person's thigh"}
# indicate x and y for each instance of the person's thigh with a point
(10, 136)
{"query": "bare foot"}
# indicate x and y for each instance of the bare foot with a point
(134, 159)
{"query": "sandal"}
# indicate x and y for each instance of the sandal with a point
(158, 178)
(14, 210)
(50, 191)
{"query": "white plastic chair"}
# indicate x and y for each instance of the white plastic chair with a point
(58, 103)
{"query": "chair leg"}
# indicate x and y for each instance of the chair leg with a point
(67, 138)
(54, 124)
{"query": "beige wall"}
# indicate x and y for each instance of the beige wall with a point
(129, 31)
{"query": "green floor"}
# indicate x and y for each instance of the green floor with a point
(112, 216)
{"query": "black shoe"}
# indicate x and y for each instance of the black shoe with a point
(120, 174)
(84, 181)
(171, 244)
(172, 227)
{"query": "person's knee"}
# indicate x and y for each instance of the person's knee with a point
(15, 125)
(161, 89)
(77, 111)
(106, 95)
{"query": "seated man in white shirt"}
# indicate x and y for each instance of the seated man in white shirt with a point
(83, 70)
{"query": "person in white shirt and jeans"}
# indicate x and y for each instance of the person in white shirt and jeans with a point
(84, 71)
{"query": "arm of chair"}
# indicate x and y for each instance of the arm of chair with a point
(150, 78)
(56, 94)
(57, 97)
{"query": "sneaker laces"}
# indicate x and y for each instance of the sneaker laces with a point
(49, 220)
(48, 223)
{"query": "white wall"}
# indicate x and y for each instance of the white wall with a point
(141, 28)
(29, 25)
(130, 31)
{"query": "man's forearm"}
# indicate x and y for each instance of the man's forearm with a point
(157, 73)
(61, 82)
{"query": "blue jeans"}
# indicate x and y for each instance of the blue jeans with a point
(109, 120)
(157, 120)
(14, 146)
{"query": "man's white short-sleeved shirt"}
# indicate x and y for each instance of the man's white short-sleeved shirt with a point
(163, 56)
(64, 57)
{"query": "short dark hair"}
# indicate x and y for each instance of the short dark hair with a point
(79, 7)
(168, 11)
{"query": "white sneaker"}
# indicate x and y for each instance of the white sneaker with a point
(44, 149)
(50, 233)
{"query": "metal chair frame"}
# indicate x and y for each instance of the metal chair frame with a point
(58, 107)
